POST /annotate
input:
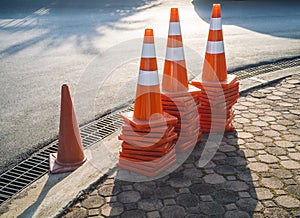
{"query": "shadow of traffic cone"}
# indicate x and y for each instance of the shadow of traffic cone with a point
(219, 91)
(148, 133)
(178, 98)
(70, 153)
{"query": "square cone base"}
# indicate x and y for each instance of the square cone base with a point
(56, 167)
(142, 124)
(216, 102)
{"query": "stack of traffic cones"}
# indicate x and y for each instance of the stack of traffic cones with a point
(178, 98)
(148, 133)
(219, 91)
(70, 153)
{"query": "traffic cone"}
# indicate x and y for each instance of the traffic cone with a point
(219, 91)
(175, 74)
(148, 132)
(70, 153)
(178, 97)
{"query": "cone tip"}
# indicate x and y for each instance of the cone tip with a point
(216, 10)
(148, 32)
(174, 16)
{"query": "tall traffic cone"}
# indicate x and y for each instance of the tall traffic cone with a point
(219, 91)
(148, 133)
(70, 153)
(178, 97)
(175, 73)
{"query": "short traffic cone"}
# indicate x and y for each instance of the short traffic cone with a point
(177, 96)
(148, 133)
(219, 91)
(70, 153)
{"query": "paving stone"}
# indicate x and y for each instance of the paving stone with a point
(272, 182)
(276, 212)
(258, 167)
(267, 158)
(211, 208)
(276, 151)
(236, 214)
(214, 179)
(127, 187)
(285, 144)
(287, 201)
(206, 198)
(260, 123)
(146, 189)
(263, 139)
(236, 161)
(263, 194)
(236, 186)
(295, 156)
(153, 214)
(184, 190)
(227, 148)
(251, 128)
(231, 207)
(133, 214)
(109, 190)
(267, 118)
(249, 153)
(245, 135)
(269, 203)
(294, 189)
(244, 195)
(93, 202)
(165, 192)
(180, 182)
(280, 192)
(247, 204)
(173, 211)
(278, 127)
(202, 189)
(225, 170)
(169, 202)
(129, 197)
(130, 206)
(112, 209)
(150, 204)
(93, 212)
(77, 212)
(187, 200)
(225, 196)
(271, 133)
(256, 146)
(290, 164)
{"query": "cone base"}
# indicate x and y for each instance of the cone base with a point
(57, 167)
(231, 80)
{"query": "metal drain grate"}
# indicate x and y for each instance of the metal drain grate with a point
(267, 68)
(31, 169)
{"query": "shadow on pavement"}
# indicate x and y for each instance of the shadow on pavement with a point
(55, 22)
(224, 187)
(275, 18)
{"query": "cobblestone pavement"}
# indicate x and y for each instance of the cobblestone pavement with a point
(255, 172)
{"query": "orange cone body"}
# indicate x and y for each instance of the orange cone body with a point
(70, 153)
(148, 98)
(214, 67)
(175, 74)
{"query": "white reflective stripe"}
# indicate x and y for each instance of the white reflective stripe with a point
(175, 54)
(215, 47)
(148, 78)
(216, 23)
(174, 29)
(148, 50)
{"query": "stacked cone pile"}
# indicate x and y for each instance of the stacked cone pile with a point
(219, 91)
(178, 98)
(148, 133)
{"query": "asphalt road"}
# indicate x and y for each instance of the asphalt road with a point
(95, 46)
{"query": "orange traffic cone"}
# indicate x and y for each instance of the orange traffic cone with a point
(148, 97)
(219, 91)
(70, 153)
(175, 74)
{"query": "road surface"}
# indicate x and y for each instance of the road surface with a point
(95, 46)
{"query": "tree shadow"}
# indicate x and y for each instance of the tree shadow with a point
(224, 187)
(56, 22)
(275, 18)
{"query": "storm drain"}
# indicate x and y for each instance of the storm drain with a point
(31, 169)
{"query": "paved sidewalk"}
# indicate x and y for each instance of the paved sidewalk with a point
(255, 172)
